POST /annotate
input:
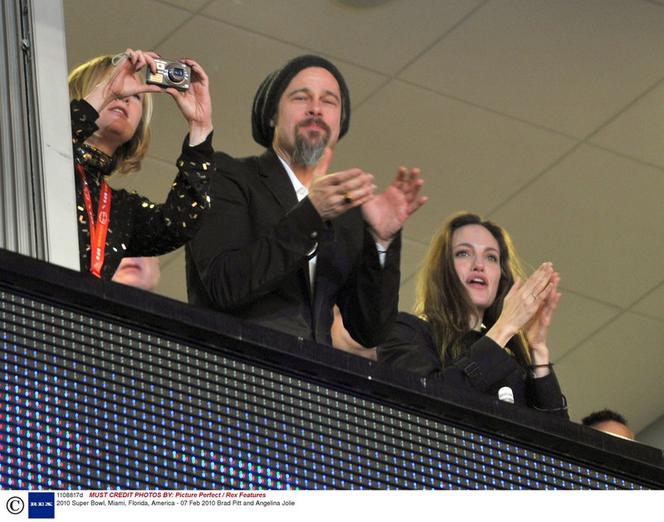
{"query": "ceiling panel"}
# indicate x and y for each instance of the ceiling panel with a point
(470, 158)
(639, 131)
(565, 65)
(575, 320)
(652, 304)
(597, 216)
(412, 254)
(407, 293)
(190, 5)
(383, 38)
(139, 24)
(412, 257)
(620, 368)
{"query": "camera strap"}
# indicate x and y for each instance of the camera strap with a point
(99, 228)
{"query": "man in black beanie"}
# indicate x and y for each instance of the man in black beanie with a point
(284, 241)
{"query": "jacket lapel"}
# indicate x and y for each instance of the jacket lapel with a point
(276, 180)
(324, 269)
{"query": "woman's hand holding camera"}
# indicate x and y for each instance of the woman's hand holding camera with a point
(195, 103)
(123, 82)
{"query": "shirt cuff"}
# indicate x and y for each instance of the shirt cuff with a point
(203, 149)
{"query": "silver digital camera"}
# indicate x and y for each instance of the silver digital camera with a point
(170, 73)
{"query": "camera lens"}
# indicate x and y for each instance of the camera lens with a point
(176, 74)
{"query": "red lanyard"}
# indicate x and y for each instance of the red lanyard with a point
(99, 229)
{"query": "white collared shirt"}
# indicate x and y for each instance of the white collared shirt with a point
(302, 192)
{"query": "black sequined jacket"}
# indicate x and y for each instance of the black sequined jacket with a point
(483, 368)
(137, 226)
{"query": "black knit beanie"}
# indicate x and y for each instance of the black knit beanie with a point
(270, 91)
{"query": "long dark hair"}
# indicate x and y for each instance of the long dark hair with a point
(443, 301)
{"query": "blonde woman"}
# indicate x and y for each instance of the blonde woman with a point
(111, 107)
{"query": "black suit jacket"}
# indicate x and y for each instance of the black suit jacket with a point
(483, 368)
(250, 258)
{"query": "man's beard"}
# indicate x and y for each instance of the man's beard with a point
(309, 149)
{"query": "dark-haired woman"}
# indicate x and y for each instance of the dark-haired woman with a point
(478, 324)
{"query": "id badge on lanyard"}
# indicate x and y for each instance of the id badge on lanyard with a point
(99, 228)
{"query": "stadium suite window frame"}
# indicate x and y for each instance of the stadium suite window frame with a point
(37, 192)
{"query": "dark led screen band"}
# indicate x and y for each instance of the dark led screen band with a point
(91, 403)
